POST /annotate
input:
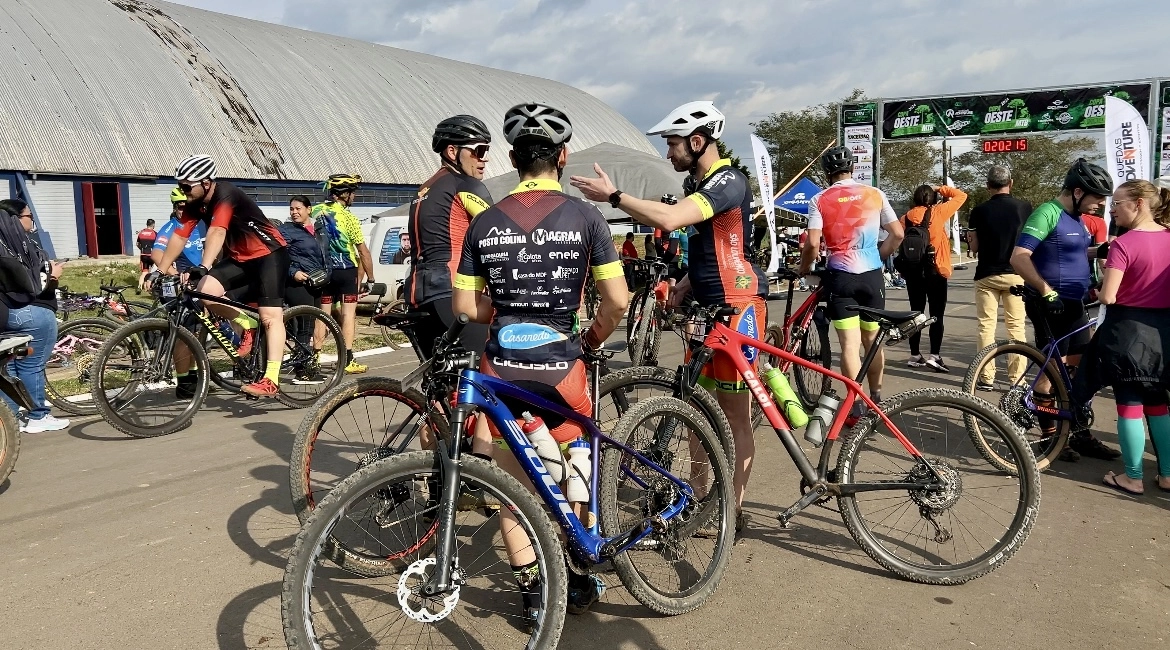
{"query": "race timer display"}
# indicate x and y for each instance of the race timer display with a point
(1005, 145)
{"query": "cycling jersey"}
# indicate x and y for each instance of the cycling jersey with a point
(719, 269)
(533, 251)
(1058, 241)
(145, 240)
(439, 218)
(249, 233)
(339, 232)
(850, 216)
(192, 251)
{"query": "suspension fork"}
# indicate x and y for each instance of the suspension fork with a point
(451, 473)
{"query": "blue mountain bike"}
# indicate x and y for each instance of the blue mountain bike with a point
(435, 571)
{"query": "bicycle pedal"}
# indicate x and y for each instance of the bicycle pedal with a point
(254, 398)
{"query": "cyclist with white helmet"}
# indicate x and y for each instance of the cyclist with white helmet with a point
(340, 237)
(1053, 256)
(719, 270)
(254, 257)
(532, 252)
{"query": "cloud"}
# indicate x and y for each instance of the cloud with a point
(755, 58)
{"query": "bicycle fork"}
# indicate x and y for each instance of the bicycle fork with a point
(451, 473)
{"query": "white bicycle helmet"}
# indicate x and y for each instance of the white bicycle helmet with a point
(689, 118)
(195, 168)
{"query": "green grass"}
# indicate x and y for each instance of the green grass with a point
(88, 278)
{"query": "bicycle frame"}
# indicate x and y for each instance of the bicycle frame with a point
(1051, 351)
(802, 318)
(728, 342)
(478, 391)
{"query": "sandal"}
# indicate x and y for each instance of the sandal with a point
(1110, 480)
(1158, 482)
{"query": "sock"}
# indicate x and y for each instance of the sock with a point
(245, 321)
(348, 357)
(1159, 422)
(875, 395)
(1131, 433)
(528, 579)
(272, 371)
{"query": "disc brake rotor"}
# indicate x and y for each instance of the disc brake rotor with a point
(425, 609)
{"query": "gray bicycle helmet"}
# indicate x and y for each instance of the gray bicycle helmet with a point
(837, 160)
(1088, 177)
(538, 124)
(459, 130)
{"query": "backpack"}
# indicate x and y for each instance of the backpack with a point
(915, 247)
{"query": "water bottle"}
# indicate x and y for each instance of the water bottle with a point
(822, 417)
(577, 489)
(785, 398)
(546, 447)
(225, 328)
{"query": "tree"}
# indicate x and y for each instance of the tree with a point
(1037, 174)
(794, 138)
(903, 166)
(726, 152)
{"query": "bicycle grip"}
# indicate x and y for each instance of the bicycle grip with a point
(376, 288)
(454, 331)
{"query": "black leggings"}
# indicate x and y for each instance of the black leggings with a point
(923, 288)
(295, 294)
(439, 319)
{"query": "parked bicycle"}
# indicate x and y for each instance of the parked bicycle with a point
(922, 501)
(1032, 387)
(440, 572)
(111, 304)
(647, 313)
(12, 346)
(805, 334)
(135, 384)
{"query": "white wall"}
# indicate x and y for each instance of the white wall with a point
(57, 212)
(149, 201)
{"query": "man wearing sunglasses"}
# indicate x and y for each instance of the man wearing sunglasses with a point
(254, 257)
(339, 235)
(439, 218)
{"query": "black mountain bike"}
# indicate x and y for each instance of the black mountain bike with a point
(11, 347)
(135, 384)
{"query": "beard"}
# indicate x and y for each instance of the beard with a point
(683, 163)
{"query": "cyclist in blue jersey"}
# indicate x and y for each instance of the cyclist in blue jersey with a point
(1053, 256)
(192, 250)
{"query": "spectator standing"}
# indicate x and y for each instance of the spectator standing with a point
(145, 243)
(27, 307)
(926, 282)
(994, 229)
(1131, 346)
(629, 252)
(650, 248)
(307, 275)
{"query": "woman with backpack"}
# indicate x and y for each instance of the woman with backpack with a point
(924, 260)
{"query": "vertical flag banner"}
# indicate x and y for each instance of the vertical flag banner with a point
(956, 233)
(764, 176)
(1127, 144)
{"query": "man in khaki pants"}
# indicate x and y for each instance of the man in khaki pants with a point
(995, 227)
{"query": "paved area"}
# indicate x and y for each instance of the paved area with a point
(180, 542)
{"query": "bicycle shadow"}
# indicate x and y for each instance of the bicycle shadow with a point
(812, 541)
(252, 620)
(96, 429)
(1089, 472)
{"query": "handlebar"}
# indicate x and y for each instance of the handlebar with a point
(453, 332)
(376, 288)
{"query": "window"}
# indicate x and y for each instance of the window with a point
(387, 195)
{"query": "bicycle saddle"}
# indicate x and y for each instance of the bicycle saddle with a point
(116, 288)
(398, 320)
(885, 315)
(607, 350)
(13, 341)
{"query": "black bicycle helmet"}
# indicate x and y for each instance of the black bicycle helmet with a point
(457, 130)
(837, 160)
(1090, 178)
(537, 123)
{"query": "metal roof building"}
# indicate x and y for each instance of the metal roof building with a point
(112, 93)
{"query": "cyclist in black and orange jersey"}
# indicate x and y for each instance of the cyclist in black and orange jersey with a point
(719, 271)
(254, 256)
(532, 251)
(439, 218)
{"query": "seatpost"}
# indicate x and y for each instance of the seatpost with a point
(873, 350)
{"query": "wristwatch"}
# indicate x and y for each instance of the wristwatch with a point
(615, 198)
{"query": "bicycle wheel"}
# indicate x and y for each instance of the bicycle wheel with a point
(134, 385)
(391, 336)
(389, 505)
(638, 325)
(9, 442)
(813, 347)
(965, 528)
(68, 370)
(1046, 436)
(356, 423)
(306, 375)
(673, 570)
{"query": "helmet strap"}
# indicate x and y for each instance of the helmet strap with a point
(1076, 203)
(695, 155)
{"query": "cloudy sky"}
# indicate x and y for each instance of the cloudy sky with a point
(756, 57)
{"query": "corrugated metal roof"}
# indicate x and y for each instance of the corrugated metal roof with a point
(126, 87)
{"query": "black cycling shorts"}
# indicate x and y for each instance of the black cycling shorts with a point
(264, 277)
(438, 319)
(1073, 317)
(342, 287)
(854, 289)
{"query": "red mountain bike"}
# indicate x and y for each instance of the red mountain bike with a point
(916, 490)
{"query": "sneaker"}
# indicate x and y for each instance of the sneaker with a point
(188, 384)
(1087, 445)
(581, 599)
(856, 413)
(985, 386)
(1068, 455)
(47, 423)
(741, 522)
(355, 368)
(245, 346)
(935, 363)
(917, 362)
(263, 388)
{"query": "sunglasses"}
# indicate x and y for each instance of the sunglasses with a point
(480, 151)
(25, 216)
(185, 188)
